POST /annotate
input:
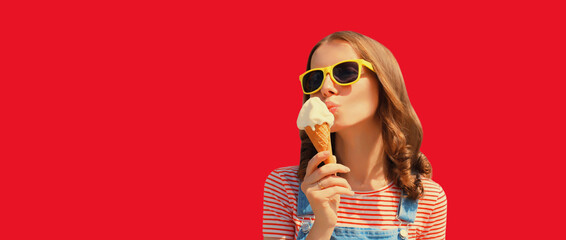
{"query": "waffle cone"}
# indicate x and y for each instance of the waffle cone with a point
(320, 138)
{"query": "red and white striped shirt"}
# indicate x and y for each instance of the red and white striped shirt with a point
(366, 209)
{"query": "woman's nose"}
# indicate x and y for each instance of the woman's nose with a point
(328, 87)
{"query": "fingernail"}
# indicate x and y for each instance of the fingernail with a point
(348, 169)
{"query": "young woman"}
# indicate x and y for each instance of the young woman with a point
(380, 187)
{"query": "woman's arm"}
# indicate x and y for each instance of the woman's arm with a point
(435, 227)
(323, 189)
(277, 211)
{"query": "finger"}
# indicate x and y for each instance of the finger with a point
(315, 161)
(333, 191)
(331, 159)
(332, 181)
(328, 169)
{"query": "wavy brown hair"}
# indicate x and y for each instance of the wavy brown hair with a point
(401, 129)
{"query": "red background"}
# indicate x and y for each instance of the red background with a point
(161, 120)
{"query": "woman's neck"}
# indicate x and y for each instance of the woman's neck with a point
(360, 147)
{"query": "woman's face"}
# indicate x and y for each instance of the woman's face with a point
(354, 104)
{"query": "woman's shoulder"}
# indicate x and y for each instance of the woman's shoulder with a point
(432, 188)
(285, 174)
(289, 169)
(284, 178)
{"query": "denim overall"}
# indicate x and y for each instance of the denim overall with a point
(406, 212)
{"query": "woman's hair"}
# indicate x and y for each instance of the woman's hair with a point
(401, 129)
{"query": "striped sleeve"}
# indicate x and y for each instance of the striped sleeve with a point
(435, 227)
(277, 211)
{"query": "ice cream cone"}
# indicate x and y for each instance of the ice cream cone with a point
(315, 113)
(320, 138)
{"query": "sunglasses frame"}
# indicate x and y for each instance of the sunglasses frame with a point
(330, 69)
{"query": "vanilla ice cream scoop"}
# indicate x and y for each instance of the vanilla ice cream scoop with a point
(314, 112)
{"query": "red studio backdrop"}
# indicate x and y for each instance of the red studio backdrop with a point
(161, 120)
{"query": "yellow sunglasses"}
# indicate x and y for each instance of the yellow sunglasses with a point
(343, 73)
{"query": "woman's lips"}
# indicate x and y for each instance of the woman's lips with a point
(332, 107)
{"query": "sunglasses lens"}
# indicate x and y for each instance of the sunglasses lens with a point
(346, 72)
(312, 80)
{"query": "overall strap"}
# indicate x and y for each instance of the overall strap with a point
(407, 209)
(303, 205)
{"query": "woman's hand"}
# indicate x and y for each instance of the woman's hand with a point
(323, 188)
